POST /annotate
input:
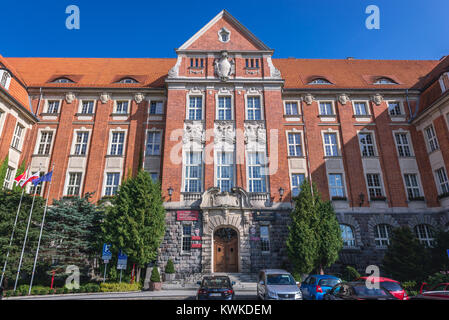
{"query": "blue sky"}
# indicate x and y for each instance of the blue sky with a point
(409, 29)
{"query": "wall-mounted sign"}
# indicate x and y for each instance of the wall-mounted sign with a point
(187, 215)
(196, 238)
(252, 230)
(196, 245)
(264, 215)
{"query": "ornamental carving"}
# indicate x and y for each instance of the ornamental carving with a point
(308, 98)
(104, 97)
(224, 131)
(236, 198)
(274, 72)
(174, 72)
(138, 97)
(69, 97)
(255, 132)
(224, 66)
(343, 98)
(377, 99)
(194, 132)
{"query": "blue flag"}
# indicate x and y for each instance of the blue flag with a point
(45, 177)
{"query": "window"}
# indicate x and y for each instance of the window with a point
(394, 107)
(224, 108)
(291, 108)
(36, 189)
(195, 108)
(87, 107)
(330, 145)
(81, 143)
(196, 62)
(347, 235)
(382, 234)
(336, 185)
(326, 109)
(4, 79)
(297, 180)
(366, 145)
(193, 172)
(74, 184)
(431, 137)
(117, 142)
(374, 187)
(17, 137)
(252, 63)
(256, 169)
(156, 107)
(62, 80)
(186, 238)
(360, 109)
(153, 143)
(442, 179)
(425, 235)
(154, 176)
(225, 171)
(7, 183)
(294, 145)
(384, 81)
(411, 184)
(45, 143)
(122, 107)
(112, 182)
(254, 109)
(128, 80)
(264, 239)
(320, 81)
(53, 106)
(403, 145)
(224, 35)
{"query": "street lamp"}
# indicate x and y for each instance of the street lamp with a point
(170, 192)
(281, 193)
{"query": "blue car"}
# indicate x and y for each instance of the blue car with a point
(315, 286)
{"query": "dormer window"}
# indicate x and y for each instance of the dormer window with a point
(5, 79)
(224, 35)
(62, 80)
(128, 80)
(384, 81)
(252, 63)
(196, 63)
(320, 81)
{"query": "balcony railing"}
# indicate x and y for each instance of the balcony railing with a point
(191, 196)
(259, 196)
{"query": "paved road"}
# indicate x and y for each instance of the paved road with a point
(142, 295)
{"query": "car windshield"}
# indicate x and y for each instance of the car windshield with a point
(280, 279)
(364, 291)
(216, 283)
(330, 282)
(391, 286)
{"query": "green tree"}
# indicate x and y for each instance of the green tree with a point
(3, 169)
(71, 234)
(9, 202)
(135, 222)
(440, 259)
(406, 259)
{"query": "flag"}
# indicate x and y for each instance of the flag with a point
(45, 177)
(20, 177)
(24, 183)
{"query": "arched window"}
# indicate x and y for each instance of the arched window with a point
(425, 234)
(385, 81)
(320, 81)
(382, 234)
(224, 35)
(128, 80)
(347, 235)
(62, 80)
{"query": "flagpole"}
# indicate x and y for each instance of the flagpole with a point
(12, 234)
(40, 234)
(26, 236)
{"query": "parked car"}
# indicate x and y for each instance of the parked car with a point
(314, 286)
(357, 290)
(438, 292)
(393, 286)
(215, 288)
(275, 284)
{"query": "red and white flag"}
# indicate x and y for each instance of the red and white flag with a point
(24, 182)
(21, 177)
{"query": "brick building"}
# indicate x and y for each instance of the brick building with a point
(231, 133)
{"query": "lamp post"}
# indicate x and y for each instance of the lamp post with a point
(170, 192)
(362, 198)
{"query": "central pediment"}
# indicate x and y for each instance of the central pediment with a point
(214, 198)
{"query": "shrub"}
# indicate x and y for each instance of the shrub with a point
(8, 293)
(23, 289)
(350, 273)
(410, 288)
(90, 287)
(155, 276)
(170, 268)
(437, 278)
(297, 276)
(119, 287)
(59, 290)
(66, 290)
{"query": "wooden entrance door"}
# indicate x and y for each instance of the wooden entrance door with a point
(226, 251)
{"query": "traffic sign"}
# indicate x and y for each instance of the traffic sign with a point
(106, 254)
(122, 261)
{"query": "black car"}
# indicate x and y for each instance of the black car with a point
(357, 291)
(215, 288)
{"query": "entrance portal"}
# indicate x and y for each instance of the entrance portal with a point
(226, 250)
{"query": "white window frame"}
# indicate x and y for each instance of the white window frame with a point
(373, 145)
(402, 145)
(332, 103)
(401, 108)
(426, 235)
(105, 182)
(351, 242)
(80, 106)
(295, 143)
(111, 135)
(195, 108)
(431, 142)
(117, 101)
(5, 73)
(153, 143)
(74, 141)
(337, 137)
(367, 105)
(8, 182)
(186, 236)
(17, 139)
(442, 180)
(410, 187)
(156, 101)
(293, 185)
(218, 109)
(185, 169)
(380, 240)
(47, 105)
(263, 170)
(342, 188)
(251, 96)
(67, 185)
(381, 185)
(219, 165)
(39, 142)
(298, 108)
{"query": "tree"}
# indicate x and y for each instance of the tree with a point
(9, 202)
(72, 229)
(440, 260)
(3, 170)
(406, 258)
(135, 222)
(314, 239)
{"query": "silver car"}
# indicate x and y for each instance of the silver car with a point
(275, 284)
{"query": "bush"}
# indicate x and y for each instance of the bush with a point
(410, 288)
(8, 293)
(59, 290)
(297, 276)
(155, 276)
(66, 290)
(170, 268)
(119, 287)
(23, 289)
(437, 278)
(351, 274)
(90, 287)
